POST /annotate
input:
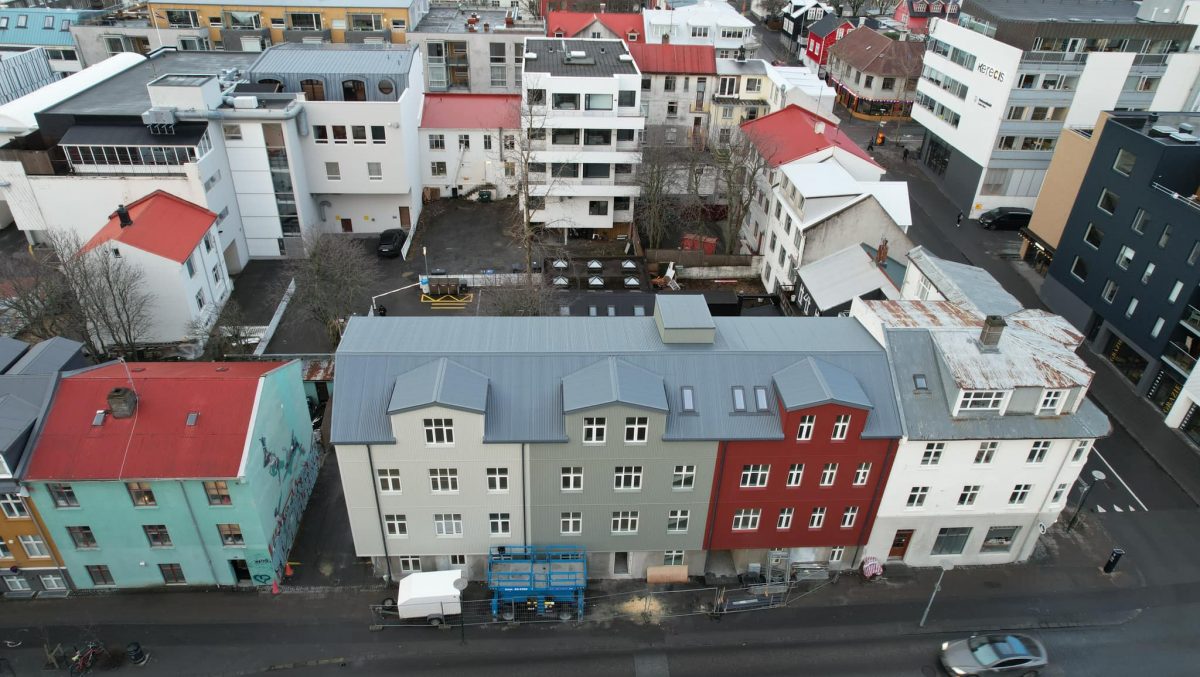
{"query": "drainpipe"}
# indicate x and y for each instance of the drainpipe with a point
(387, 557)
(722, 451)
(524, 497)
(196, 525)
(1062, 464)
(885, 471)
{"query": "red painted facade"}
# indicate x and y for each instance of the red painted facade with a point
(729, 496)
(817, 47)
(915, 14)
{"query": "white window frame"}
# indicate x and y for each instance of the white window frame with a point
(448, 525)
(443, 480)
(1080, 453)
(828, 475)
(388, 480)
(755, 476)
(784, 522)
(932, 454)
(409, 564)
(395, 525)
(1037, 452)
(1020, 494)
(841, 427)
(14, 506)
(673, 558)
(500, 524)
(916, 498)
(571, 478)
(861, 474)
(849, 516)
(439, 432)
(683, 478)
(816, 519)
(746, 519)
(637, 429)
(968, 495)
(1053, 400)
(678, 520)
(595, 429)
(985, 453)
(795, 475)
(625, 522)
(35, 546)
(804, 431)
(627, 478)
(497, 480)
(982, 400)
(570, 523)
(1059, 492)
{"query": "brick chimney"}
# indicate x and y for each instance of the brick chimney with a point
(123, 215)
(989, 336)
(122, 402)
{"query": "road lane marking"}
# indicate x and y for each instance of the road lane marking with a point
(1100, 508)
(1117, 508)
(1119, 479)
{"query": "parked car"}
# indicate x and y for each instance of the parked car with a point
(1005, 218)
(391, 241)
(981, 655)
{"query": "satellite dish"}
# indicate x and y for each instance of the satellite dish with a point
(460, 584)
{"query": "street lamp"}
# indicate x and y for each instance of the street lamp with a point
(1097, 477)
(937, 587)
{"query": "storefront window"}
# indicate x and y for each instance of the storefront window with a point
(1125, 359)
(1191, 424)
(1165, 390)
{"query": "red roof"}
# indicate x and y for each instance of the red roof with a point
(163, 224)
(573, 23)
(156, 443)
(791, 133)
(682, 59)
(471, 111)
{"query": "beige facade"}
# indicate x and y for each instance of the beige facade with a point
(1064, 177)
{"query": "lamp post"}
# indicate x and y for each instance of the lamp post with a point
(1097, 478)
(937, 587)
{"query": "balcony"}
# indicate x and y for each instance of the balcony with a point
(359, 37)
(1191, 319)
(1192, 201)
(306, 35)
(1054, 57)
(1180, 359)
(234, 38)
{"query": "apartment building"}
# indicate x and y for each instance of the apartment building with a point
(449, 445)
(28, 375)
(253, 28)
(997, 422)
(705, 23)
(743, 92)
(1125, 267)
(583, 112)
(469, 143)
(204, 486)
(173, 243)
(678, 82)
(999, 87)
(798, 17)
(474, 49)
(875, 76)
(626, 26)
(129, 29)
(23, 28)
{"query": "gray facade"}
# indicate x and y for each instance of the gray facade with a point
(337, 72)
(24, 72)
(484, 57)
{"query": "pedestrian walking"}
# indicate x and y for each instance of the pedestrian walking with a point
(870, 146)
(958, 221)
(904, 153)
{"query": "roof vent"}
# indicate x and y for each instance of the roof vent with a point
(1185, 138)
(993, 329)
(530, 56)
(626, 57)
(1160, 131)
(123, 215)
(122, 402)
(1186, 128)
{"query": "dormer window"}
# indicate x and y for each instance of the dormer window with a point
(739, 398)
(1052, 402)
(558, 34)
(687, 396)
(981, 400)
(632, 35)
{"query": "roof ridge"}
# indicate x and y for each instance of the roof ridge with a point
(820, 376)
(439, 378)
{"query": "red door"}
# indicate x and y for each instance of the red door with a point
(347, 226)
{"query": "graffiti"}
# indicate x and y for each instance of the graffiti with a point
(262, 560)
(300, 478)
(262, 579)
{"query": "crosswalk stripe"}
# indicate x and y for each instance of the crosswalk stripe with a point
(1100, 508)
(1132, 509)
(1118, 508)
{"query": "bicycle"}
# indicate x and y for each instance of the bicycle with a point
(83, 661)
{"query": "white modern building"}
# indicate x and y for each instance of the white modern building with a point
(998, 88)
(997, 422)
(582, 110)
(469, 143)
(173, 243)
(709, 22)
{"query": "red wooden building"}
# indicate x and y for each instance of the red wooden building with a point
(821, 36)
(818, 487)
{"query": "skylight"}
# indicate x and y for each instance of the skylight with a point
(739, 398)
(688, 396)
(920, 382)
(760, 398)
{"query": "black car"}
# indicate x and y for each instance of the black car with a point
(1005, 218)
(391, 241)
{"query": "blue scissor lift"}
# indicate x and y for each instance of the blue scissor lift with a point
(546, 580)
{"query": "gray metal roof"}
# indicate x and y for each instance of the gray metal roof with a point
(527, 359)
(10, 351)
(16, 420)
(442, 383)
(610, 381)
(186, 134)
(603, 57)
(18, 390)
(735, 67)
(684, 311)
(332, 64)
(1121, 11)
(50, 357)
(927, 413)
(810, 382)
(965, 285)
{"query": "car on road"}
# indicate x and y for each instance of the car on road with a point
(1005, 218)
(999, 654)
(391, 241)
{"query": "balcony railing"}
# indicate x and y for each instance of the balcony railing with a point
(1191, 319)
(1055, 57)
(1190, 200)
(1179, 358)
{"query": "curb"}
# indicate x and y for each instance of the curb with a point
(1032, 625)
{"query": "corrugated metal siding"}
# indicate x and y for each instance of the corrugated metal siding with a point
(332, 64)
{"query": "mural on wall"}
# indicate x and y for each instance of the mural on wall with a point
(295, 468)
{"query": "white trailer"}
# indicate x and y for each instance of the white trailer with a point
(427, 595)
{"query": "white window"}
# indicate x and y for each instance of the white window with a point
(841, 425)
(755, 475)
(987, 450)
(439, 432)
(828, 474)
(572, 478)
(443, 480)
(464, 141)
(981, 400)
(1157, 329)
(687, 397)
(396, 525)
(627, 478)
(14, 505)
(200, 300)
(1174, 295)
(785, 519)
(817, 519)
(1052, 401)
(677, 521)
(673, 558)
(190, 265)
(636, 428)
(34, 546)
(916, 497)
(594, 429)
(836, 553)
(1037, 453)
(848, 516)
(795, 474)
(1080, 451)
(753, 85)
(861, 474)
(969, 493)
(1125, 257)
(375, 171)
(16, 584)
(497, 480)
(1019, 493)
(684, 477)
(746, 519)
(389, 480)
(805, 430)
(625, 522)
(437, 142)
(409, 564)
(570, 523)
(933, 453)
(1058, 493)
(1109, 293)
(232, 132)
(447, 525)
(499, 524)
(761, 401)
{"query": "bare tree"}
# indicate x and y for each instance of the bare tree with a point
(332, 282)
(773, 8)
(227, 334)
(35, 300)
(851, 7)
(655, 210)
(740, 167)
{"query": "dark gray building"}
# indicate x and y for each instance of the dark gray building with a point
(1128, 264)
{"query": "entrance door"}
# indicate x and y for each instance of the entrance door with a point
(405, 218)
(620, 563)
(241, 571)
(347, 226)
(900, 543)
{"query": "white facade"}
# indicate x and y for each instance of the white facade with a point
(457, 162)
(708, 22)
(96, 43)
(800, 86)
(677, 107)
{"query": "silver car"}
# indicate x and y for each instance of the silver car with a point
(1007, 654)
